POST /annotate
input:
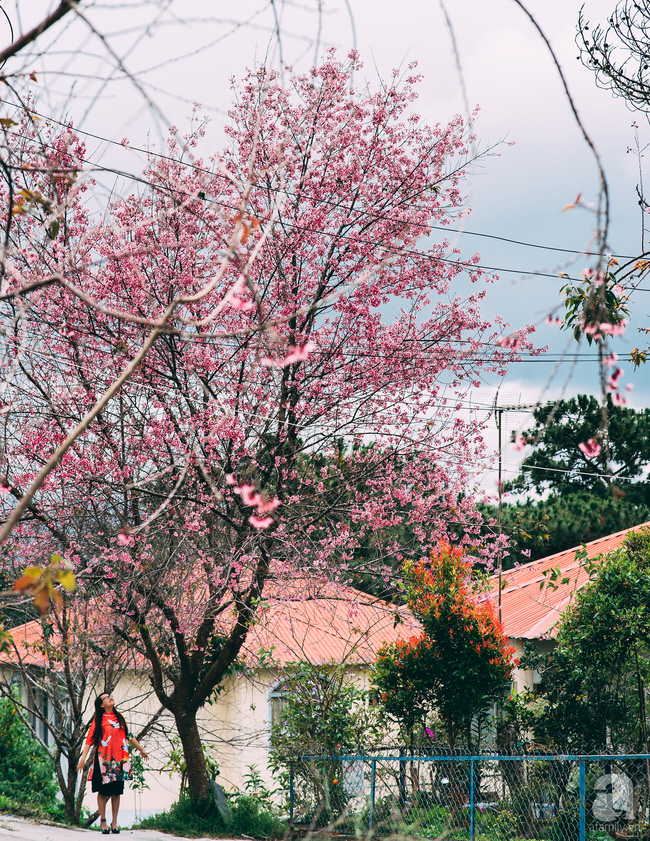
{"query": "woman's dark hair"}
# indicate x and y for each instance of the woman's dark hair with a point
(99, 714)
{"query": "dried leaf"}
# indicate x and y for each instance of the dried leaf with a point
(41, 600)
(27, 580)
(573, 204)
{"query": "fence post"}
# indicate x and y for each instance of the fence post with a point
(582, 800)
(371, 816)
(291, 795)
(402, 779)
(471, 799)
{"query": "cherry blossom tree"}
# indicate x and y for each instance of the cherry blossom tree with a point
(282, 360)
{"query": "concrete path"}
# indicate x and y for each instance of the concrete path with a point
(20, 829)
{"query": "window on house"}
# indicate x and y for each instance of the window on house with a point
(277, 702)
(40, 702)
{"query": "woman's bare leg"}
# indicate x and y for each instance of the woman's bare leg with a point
(102, 800)
(115, 808)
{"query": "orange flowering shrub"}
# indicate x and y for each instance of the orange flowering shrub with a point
(459, 663)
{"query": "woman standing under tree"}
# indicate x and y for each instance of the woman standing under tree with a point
(111, 766)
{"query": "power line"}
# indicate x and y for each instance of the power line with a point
(463, 266)
(329, 202)
(529, 357)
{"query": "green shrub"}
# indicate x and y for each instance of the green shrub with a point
(32, 810)
(187, 819)
(26, 768)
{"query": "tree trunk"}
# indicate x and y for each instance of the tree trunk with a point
(67, 787)
(198, 784)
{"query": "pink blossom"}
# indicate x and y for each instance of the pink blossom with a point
(266, 505)
(629, 386)
(230, 479)
(248, 494)
(513, 342)
(298, 354)
(610, 360)
(260, 522)
(519, 442)
(617, 289)
(124, 538)
(591, 448)
(618, 399)
(5, 487)
(295, 354)
(240, 304)
(612, 381)
(553, 320)
(613, 329)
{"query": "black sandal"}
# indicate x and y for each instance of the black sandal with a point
(105, 830)
(115, 830)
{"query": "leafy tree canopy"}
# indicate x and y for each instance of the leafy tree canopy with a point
(459, 662)
(594, 682)
(585, 497)
(558, 464)
(537, 528)
(26, 770)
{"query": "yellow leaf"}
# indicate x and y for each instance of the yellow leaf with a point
(67, 580)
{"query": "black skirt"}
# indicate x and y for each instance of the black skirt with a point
(105, 789)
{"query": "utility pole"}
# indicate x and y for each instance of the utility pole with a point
(498, 414)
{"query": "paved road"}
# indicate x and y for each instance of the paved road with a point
(20, 829)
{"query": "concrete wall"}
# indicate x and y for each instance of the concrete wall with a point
(235, 728)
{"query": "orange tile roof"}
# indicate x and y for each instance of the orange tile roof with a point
(27, 646)
(529, 612)
(324, 623)
(26, 638)
(301, 619)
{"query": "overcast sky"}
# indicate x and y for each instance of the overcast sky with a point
(188, 56)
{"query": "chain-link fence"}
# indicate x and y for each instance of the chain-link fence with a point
(487, 797)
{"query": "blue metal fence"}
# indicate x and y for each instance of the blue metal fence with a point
(474, 797)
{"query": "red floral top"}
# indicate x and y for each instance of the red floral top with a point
(113, 750)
